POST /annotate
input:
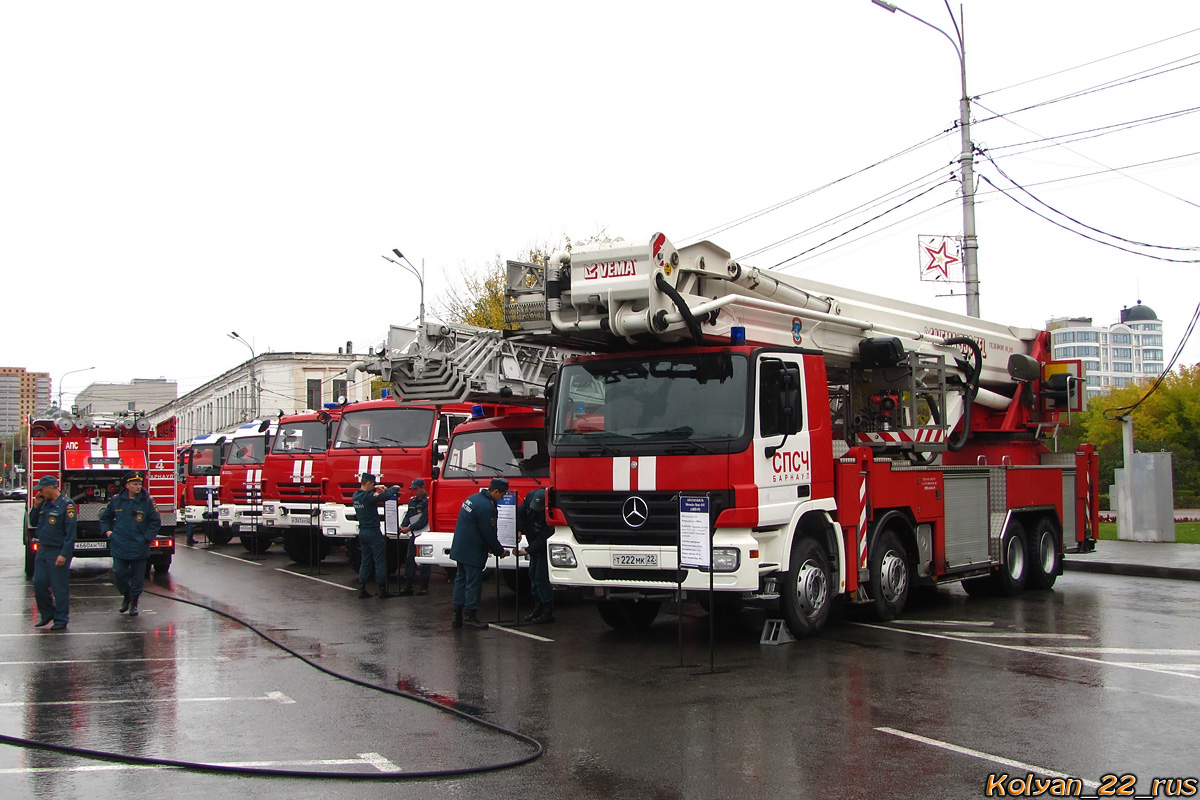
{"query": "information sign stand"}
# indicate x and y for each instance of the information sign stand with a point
(391, 527)
(506, 532)
(696, 551)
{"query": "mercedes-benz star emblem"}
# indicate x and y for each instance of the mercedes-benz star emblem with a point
(635, 512)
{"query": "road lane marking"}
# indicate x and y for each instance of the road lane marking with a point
(76, 612)
(1004, 762)
(57, 633)
(363, 759)
(318, 580)
(1055, 652)
(235, 558)
(112, 660)
(944, 623)
(274, 697)
(521, 633)
(1016, 635)
(1128, 651)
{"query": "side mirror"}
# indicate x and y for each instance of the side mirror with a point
(435, 473)
(789, 398)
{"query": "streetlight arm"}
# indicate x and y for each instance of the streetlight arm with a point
(894, 8)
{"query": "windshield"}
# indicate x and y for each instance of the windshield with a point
(386, 427)
(513, 453)
(665, 399)
(205, 460)
(301, 437)
(247, 451)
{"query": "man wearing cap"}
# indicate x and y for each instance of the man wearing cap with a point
(531, 522)
(370, 538)
(474, 538)
(415, 522)
(131, 523)
(55, 518)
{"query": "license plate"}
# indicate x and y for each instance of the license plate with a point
(242, 528)
(635, 559)
(90, 545)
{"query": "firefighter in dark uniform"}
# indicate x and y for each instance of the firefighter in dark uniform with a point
(370, 538)
(415, 522)
(131, 523)
(55, 517)
(531, 522)
(474, 538)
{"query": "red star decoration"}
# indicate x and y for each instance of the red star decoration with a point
(939, 260)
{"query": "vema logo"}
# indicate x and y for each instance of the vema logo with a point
(611, 269)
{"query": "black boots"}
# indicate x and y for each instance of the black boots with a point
(472, 620)
(406, 591)
(133, 612)
(537, 609)
(424, 588)
(543, 613)
(458, 617)
(384, 594)
(124, 604)
(363, 593)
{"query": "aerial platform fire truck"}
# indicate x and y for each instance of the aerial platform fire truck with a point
(831, 443)
(90, 458)
(240, 491)
(202, 462)
(294, 482)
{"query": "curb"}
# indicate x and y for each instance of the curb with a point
(1137, 570)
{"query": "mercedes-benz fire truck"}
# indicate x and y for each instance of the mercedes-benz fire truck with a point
(511, 445)
(90, 458)
(831, 442)
(295, 480)
(240, 490)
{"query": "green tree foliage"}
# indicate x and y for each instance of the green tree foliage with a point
(1169, 419)
(478, 297)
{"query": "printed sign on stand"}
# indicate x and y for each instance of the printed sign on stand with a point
(695, 547)
(391, 517)
(506, 520)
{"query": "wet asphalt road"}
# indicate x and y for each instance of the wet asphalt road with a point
(1100, 676)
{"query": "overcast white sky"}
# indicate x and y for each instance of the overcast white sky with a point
(175, 171)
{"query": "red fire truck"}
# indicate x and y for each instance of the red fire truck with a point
(396, 444)
(294, 481)
(511, 445)
(783, 442)
(90, 457)
(240, 492)
(202, 484)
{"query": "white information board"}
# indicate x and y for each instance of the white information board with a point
(694, 532)
(391, 517)
(506, 521)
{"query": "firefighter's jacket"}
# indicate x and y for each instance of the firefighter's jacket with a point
(133, 523)
(55, 521)
(475, 532)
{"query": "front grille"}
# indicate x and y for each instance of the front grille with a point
(642, 575)
(299, 493)
(595, 517)
(200, 493)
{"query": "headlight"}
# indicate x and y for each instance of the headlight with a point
(269, 508)
(561, 555)
(726, 559)
(331, 531)
(425, 550)
(224, 512)
(329, 516)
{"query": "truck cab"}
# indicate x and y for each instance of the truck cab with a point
(202, 483)
(294, 479)
(240, 491)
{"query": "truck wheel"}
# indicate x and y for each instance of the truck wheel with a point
(29, 554)
(162, 565)
(628, 615)
(1045, 556)
(517, 581)
(889, 576)
(219, 535)
(1010, 578)
(807, 592)
(255, 544)
(306, 547)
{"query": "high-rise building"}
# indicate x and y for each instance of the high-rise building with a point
(1116, 355)
(22, 394)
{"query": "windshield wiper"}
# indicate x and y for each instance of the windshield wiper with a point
(682, 432)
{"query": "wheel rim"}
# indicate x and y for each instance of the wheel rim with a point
(893, 576)
(1015, 558)
(812, 587)
(1048, 552)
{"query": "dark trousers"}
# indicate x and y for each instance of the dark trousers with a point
(468, 585)
(374, 557)
(410, 564)
(539, 575)
(52, 586)
(129, 574)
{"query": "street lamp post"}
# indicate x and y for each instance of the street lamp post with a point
(253, 381)
(966, 158)
(420, 276)
(63, 378)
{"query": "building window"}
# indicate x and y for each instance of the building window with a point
(1087, 336)
(1064, 352)
(1091, 366)
(1122, 366)
(314, 393)
(1066, 337)
(339, 389)
(1087, 351)
(1122, 352)
(1152, 340)
(1122, 338)
(1093, 380)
